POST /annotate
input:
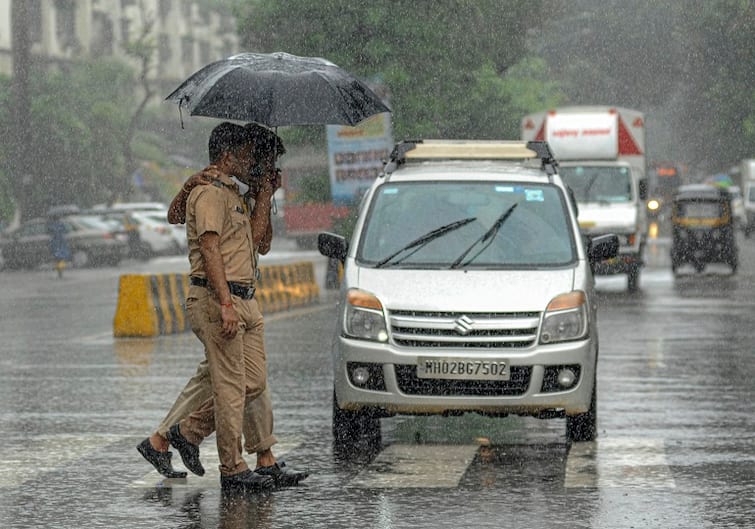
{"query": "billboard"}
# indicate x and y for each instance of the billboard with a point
(356, 156)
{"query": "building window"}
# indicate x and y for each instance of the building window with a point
(205, 52)
(125, 29)
(35, 20)
(163, 49)
(65, 23)
(102, 35)
(164, 9)
(187, 51)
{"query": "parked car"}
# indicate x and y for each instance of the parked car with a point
(467, 287)
(139, 206)
(92, 241)
(157, 235)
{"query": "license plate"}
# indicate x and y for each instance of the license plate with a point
(463, 369)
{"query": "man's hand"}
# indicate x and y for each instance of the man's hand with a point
(230, 320)
(206, 176)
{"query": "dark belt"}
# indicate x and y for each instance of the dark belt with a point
(237, 289)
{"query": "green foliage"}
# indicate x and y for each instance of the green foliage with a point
(445, 63)
(314, 189)
(78, 120)
(688, 67)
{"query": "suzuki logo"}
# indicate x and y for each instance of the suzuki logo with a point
(463, 325)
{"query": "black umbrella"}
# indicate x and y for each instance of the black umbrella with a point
(277, 89)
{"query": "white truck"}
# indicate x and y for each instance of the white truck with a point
(747, 177)
(601, 155)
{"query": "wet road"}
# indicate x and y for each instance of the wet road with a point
(676, 421)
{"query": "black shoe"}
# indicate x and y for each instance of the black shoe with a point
(159, 460)
(246, 481)
(284, 476)
(189, 452)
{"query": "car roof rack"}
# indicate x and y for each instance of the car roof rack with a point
(423, 150)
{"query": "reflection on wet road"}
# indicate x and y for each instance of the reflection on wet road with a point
(676, 420)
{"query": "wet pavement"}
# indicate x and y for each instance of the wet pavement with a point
(676, 416)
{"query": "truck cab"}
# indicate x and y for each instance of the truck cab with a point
(611, 199)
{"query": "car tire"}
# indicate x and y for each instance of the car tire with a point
(584, 426)
(354, 431)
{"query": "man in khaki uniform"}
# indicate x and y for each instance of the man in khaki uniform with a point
(222, 310)
(258, 422)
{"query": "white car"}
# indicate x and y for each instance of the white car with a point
(738, 207)
(157, 236)
(467, 287)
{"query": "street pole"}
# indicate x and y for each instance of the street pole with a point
(21, 176)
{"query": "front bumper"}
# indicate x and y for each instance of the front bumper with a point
(529, 392)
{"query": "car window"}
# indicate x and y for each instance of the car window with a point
(536, 233)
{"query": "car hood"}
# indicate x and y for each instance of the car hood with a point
(603, 218)
(467, 291)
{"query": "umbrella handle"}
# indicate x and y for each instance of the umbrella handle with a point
(180, 114)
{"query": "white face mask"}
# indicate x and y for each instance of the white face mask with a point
(243, 188)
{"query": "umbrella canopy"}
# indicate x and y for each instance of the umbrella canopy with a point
(277, 89)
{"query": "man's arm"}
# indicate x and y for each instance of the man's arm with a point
(260, 218)
(264, 245)
(177, 208)
(209, 247)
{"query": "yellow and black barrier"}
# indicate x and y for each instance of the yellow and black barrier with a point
(154, 304)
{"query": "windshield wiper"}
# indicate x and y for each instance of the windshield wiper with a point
(426, 238)
(487, 236)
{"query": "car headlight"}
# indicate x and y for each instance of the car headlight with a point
(364, 318)
(565, 318)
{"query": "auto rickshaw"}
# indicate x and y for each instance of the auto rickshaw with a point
(703, 228)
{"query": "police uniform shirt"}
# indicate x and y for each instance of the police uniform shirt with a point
(219, 208)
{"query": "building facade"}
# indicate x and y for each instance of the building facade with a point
(187, 34)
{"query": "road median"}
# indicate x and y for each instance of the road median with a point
(155, 304)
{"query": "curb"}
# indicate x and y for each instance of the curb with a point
(155, 304)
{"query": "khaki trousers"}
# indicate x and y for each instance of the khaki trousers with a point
(237, 370)
(258, 413)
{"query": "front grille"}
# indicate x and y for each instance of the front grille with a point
(463, 329)
(408, 383)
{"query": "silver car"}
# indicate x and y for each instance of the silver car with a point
(467, 287)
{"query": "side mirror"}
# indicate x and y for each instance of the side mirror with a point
(332, 245)
(602, 247)
(643, 189)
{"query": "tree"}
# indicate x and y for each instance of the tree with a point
(78, 121)
(688, 66)
(445, 63)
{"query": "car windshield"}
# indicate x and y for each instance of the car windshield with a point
(598, 183)
(535, 233)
